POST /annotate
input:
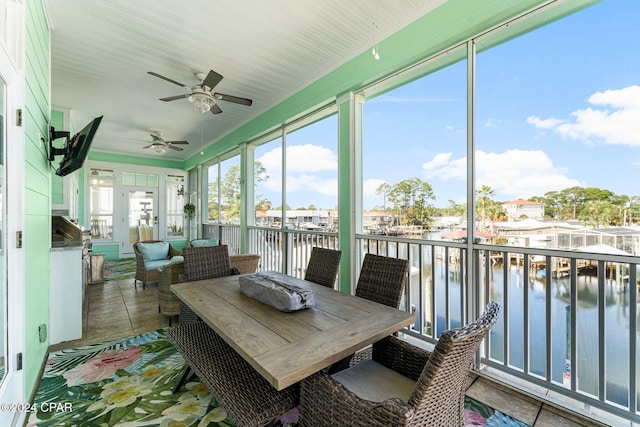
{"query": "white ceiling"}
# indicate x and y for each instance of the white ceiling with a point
(267, 50)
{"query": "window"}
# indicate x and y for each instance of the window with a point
(224, 191)
(268, 184)
(101, 203)
(556, 146)
(309, 174)
(414, 153)
(213, 203)
(312, 175)
(557, 123)
(140, 179)
(175, 205)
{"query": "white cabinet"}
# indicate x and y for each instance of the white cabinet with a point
(66, 294)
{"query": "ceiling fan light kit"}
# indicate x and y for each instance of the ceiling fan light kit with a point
(201, 101)
(201, 96)
(160, 146)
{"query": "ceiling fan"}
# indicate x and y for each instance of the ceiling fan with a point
(160, 145)
(201, 95)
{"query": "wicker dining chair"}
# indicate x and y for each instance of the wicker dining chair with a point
(249, 399)
(202, 263)
(168, 302)
(245, 263)
(323, 266)
(403, 385)
(382, 280)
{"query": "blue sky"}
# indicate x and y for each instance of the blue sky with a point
(557, 107)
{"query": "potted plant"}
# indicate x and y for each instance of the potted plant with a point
(189, 211)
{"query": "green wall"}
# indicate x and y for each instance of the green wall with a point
(37, 190)
(57, 187)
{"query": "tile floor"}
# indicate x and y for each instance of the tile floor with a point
(117, 309)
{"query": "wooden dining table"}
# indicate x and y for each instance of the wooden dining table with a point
(286, 347)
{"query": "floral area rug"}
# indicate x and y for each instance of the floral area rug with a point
(128, 382)
(119, 269)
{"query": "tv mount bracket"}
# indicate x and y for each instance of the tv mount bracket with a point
(53, 135)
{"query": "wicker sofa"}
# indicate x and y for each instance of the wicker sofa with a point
(150, 256)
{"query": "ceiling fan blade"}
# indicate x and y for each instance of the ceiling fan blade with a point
(177, 142)
(168, 79)
(215, 109)
(212, 79)
(231, 98)
(174, 148)
(148, 146)
(173, 98)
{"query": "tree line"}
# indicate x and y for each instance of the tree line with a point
(411, 202)
(594, 207)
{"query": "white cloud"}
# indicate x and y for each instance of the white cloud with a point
(544, 124)
(312, 183)
(369, 186)
(614, 118)
(302, 162)
(513, 173)
(300, 158)
(628, 97)
(439, 159)
(307, 167)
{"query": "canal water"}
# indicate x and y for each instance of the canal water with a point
(616, 315)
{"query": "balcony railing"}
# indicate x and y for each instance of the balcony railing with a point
(569, 321)
(287, 250)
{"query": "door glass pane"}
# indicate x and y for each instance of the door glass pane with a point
(3, 258)
(101, 182)
(175, 205)
(142, 217)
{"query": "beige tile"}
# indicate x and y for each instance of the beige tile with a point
(148, 320)
(552, 418)
(506, 401)
(100, 317)
(471, 378)
(112, 304)
(110, 330)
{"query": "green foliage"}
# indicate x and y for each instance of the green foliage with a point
(189, 211)
(230, 193)
(410, 199)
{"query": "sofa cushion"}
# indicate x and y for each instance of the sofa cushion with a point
(177, 258)
(200, 243)
(154, 251)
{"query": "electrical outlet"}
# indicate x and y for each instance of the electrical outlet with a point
(42, 332)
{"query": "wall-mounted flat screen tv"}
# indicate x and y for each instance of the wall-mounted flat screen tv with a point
(78, 148)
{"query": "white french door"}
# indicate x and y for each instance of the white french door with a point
(11, 225)
(142, 216)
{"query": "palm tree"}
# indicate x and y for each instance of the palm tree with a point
(484, 194)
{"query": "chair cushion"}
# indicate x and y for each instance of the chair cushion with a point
(200, 243)
(154, 265)
(154, 251)
(177, 258)
(372, 381)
